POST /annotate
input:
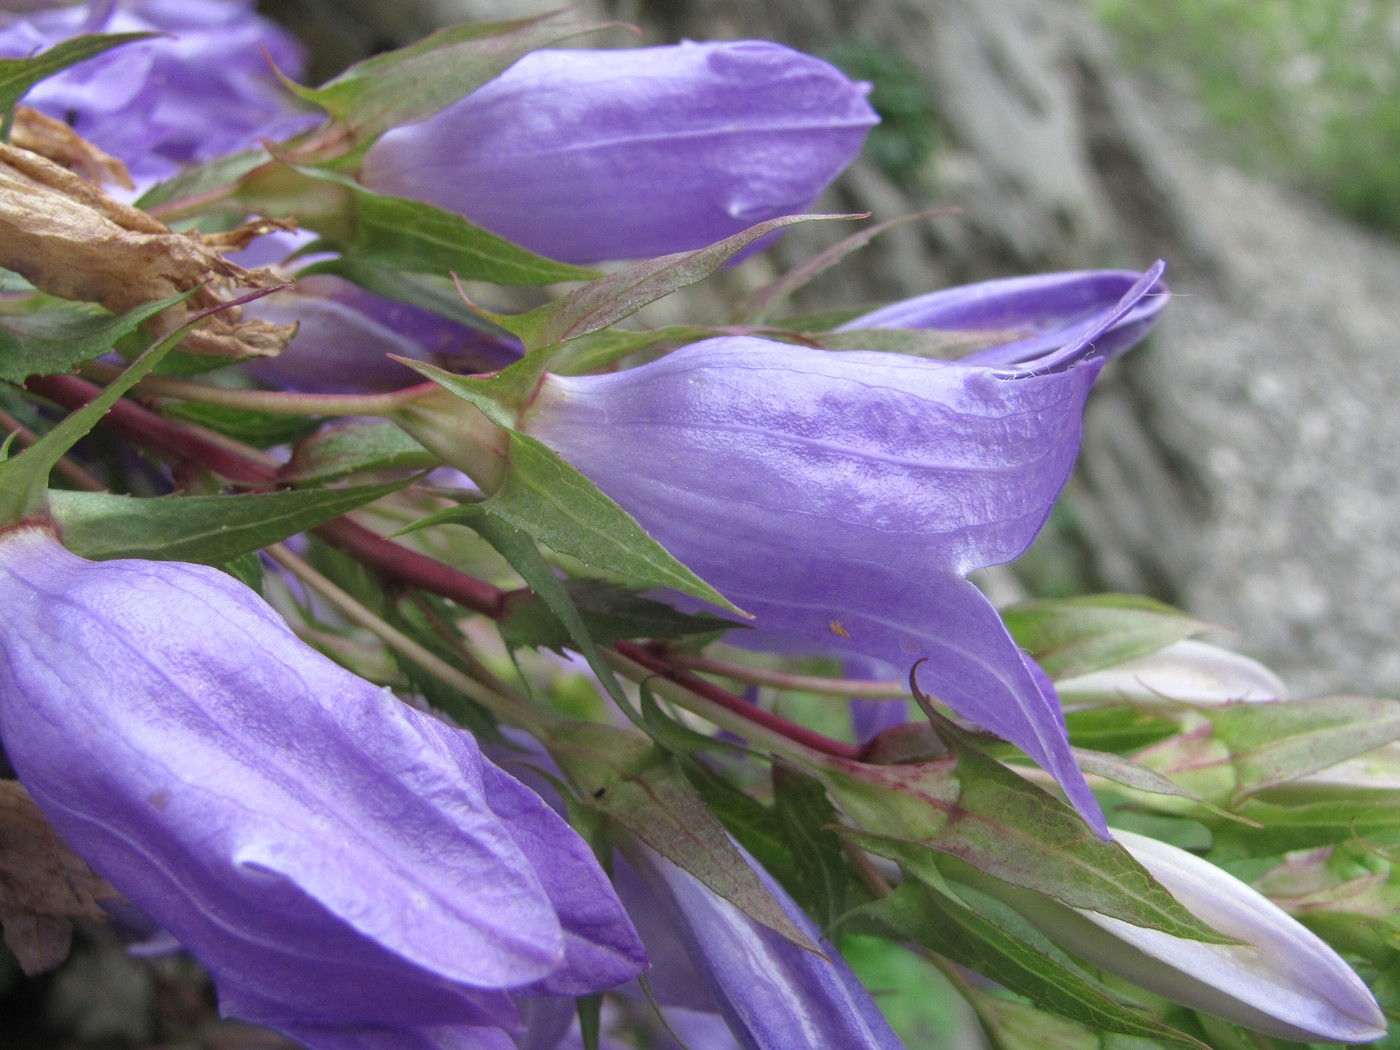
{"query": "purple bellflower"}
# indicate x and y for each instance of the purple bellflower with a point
(352, 871)
(842, 498)
(1045, 311)
(589, 155)
(773, 994)
(202, 90)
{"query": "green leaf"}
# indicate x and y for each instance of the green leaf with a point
(259, 429)
(1140, 778)
(642, 787)
(203, 180)
(63, 335)
(997, 944)
(394, 232)
(18, 75)
(1271, 743)
(352, 448)
(518, 548)
(754, 825)
(1074, 636)
(610, 612)
(425, 291)
(1292, 819)
(24, 478)
(606, 301)
(206, 529)
(758, 307)
(806, 814)
(981, 812)
(411, 84)
(547, 498)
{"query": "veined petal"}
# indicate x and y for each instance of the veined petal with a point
(330, 856)
(774, 995)
(1283, 979)
(622, 154)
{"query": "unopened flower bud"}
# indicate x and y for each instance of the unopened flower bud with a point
(339, 861)
(1281, 979)
(589, 155)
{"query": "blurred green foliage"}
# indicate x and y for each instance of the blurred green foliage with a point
(1305, 90)
(907, 134)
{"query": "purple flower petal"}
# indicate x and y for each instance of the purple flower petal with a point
(1052, 310)
(202, 90)
(588, 155)
(773, 994)
(842, 497)
(331, 855)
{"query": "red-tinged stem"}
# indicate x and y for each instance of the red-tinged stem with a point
(179, 445)
(799, 734)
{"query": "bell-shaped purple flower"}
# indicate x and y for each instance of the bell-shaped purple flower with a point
(588, 155)
(347, 338)
(773, 994)
(1035, 314)
(201, 90)
(351, 871)
(841, 498)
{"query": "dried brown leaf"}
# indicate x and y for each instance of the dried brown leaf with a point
(68, 238)
(44, 885)
(42, 134)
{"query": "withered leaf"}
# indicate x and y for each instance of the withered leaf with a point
(42, 134)
(44, 885)
(68, 238)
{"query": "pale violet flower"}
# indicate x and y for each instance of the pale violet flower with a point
(589, 155)
(1281, 979)
(842, 498)
(351, 871)
(1185, 672)
(707, 955)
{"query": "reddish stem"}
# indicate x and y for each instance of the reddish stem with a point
(183, 447)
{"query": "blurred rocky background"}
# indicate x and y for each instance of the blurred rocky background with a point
(1243, 465)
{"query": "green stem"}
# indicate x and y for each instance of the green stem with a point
(275, 402)
(503, 708)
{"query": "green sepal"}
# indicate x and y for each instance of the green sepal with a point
(543, 495)
(976, 809)
(206, 529)
(992, 940)
(602, 303)
(411, 84)
(18, 75)
(758, 307)
(395, 232)
(354, 447)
